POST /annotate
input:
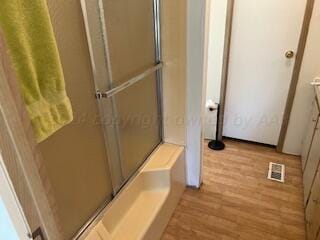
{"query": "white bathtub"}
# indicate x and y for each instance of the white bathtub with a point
(144, 207)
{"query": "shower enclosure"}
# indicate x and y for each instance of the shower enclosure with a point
(124, 44)
(66, 182)
(117, 107)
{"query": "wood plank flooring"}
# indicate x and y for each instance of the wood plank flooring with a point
(237, 201)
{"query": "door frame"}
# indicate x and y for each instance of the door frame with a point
(21, 157)
(12, 205)
(295, 74)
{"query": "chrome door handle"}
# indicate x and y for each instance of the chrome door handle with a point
(128, 83)
(315, 82)
(289, 54)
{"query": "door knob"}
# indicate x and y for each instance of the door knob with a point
(289, 54)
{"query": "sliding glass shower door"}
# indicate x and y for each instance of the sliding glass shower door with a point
(124, 42)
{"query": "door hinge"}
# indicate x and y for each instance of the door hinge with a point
(37, 234)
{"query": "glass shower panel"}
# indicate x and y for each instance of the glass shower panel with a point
(75, 158)
(130, 35)
(122, 41)
(138, 123)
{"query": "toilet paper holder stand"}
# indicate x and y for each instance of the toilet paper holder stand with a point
(216, 144)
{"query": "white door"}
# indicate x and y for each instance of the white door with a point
(259, 72)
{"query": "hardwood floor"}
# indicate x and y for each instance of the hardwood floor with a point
(237, 201)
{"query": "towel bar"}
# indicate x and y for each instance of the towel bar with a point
(128, 83)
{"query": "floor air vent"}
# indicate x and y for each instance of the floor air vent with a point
(276, 172)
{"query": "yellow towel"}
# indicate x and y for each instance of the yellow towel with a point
(29, 36)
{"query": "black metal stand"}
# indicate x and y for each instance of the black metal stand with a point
(217, 145)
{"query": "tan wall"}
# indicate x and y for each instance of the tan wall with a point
(173, 26)
(75, 156)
